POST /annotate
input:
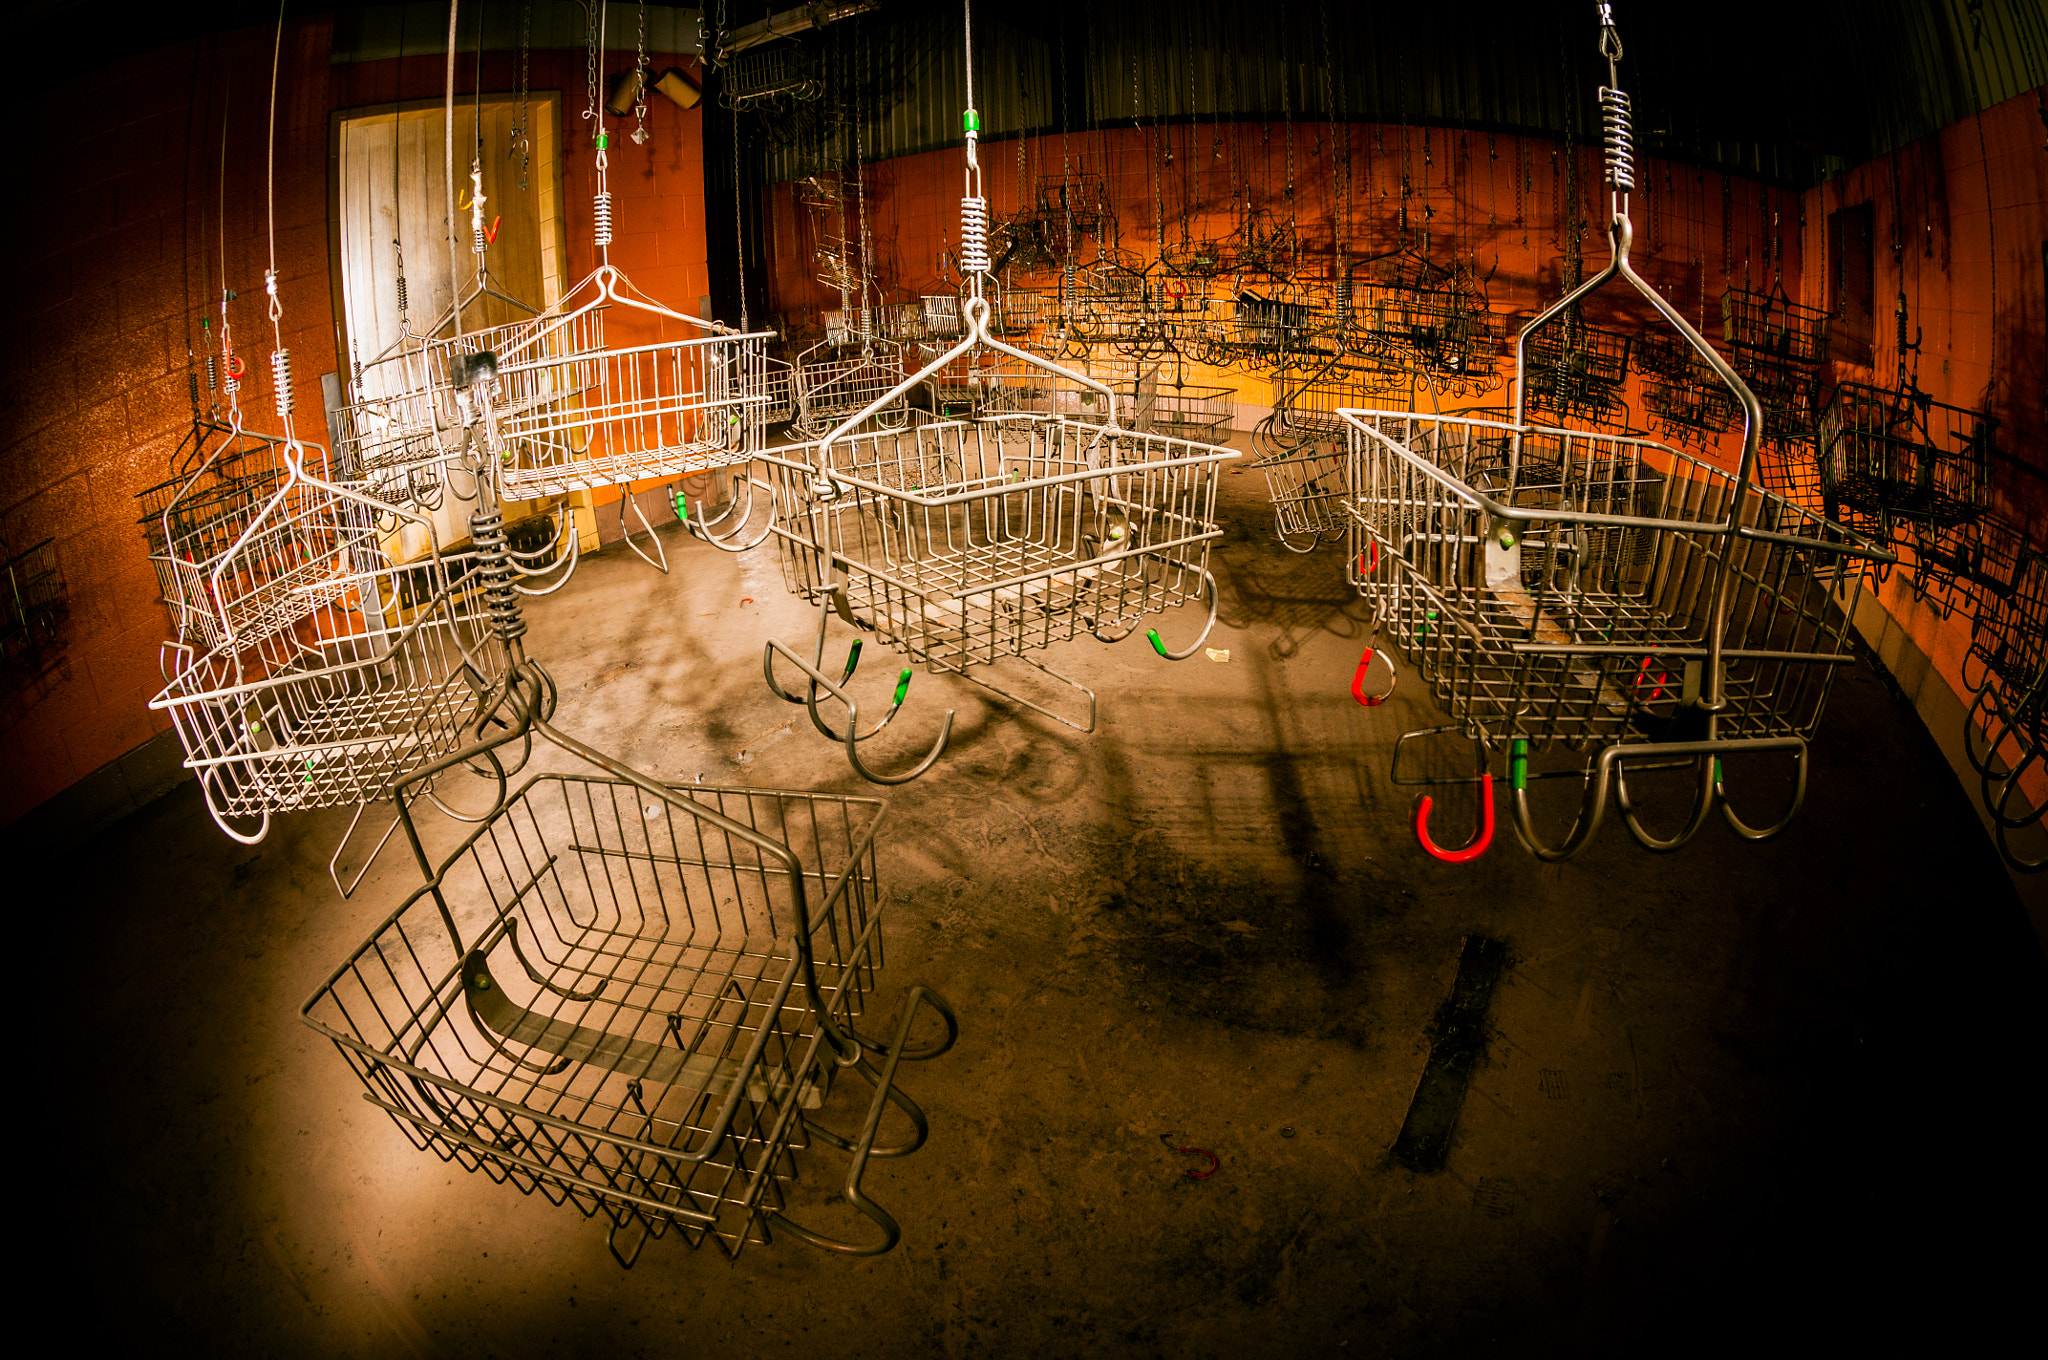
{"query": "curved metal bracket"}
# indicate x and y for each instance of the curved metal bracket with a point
(709, 530)
(862, 1145)
(1358, 682)
(1152, 634)
(1740, 827)
(1479, 843)
(1703, 804)
(851, 736)
(660, 559)
(565, 525)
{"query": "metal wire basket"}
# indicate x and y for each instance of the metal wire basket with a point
(1564, 589)
(255, 539)
(832, 382)
(31, 601)
(1772, 324)
(594, 393)
(631, 998)
(1574, 372)
(1309, 486)
(383, 677)
(1193, 411)
(964, 542)
(394, 425)
(1902, 456)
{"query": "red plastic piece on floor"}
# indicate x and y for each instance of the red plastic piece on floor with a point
(1478, 846)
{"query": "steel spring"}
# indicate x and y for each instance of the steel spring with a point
(192, 381)
(974, 236)
(494, 565)
(281, 381)
(1618, 122)
(401, 295)
(212, 374)
(601, 213)
(478, 243)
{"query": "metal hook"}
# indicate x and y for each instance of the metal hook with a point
(1358, 679)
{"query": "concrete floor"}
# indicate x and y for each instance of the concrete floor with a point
(1747, 1095)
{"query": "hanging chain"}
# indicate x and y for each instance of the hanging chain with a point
(522, 143)
(601, 201)
(640, 81)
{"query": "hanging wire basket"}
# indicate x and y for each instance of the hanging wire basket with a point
(635, 998)
(32, 601)
(595, 393)
(256, 539)
(832, 382)
(1772, 324)
(385, 675)
(1901, 456)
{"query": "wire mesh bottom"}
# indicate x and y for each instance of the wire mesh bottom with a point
(600, 999)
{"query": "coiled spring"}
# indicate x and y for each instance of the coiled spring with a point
(1618, 125)
(601, 214)
(212, 374)
(478, 243)
(281, 381)
(401, 295)
(494, 564)
(974, 236)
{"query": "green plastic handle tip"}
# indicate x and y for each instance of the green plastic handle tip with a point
(1518, 764)
(852, 660)
(902, 686)
(1152, 636)
(682, 508)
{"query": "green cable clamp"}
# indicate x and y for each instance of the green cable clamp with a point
(1518, 764)
(603, 140)
(970, 121)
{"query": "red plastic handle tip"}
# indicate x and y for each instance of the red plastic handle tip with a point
(1479, 844)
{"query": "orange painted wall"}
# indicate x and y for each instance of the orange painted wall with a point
(119, 259)
(1970, 205)
(1695, 230)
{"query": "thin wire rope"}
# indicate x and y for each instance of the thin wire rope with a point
(448, 157)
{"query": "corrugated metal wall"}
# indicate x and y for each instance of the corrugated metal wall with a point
(1788, 93)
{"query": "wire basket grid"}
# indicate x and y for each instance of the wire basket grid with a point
(967, 542)
(383, 678)
(1566, 632)
(601, 998)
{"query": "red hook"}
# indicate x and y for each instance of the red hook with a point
(1358, 681)
(491, 236)
(1479, 844)
(1362, 568)
(1215, 1163)
(237, 366)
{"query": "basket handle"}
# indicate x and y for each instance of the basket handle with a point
(975, 313)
